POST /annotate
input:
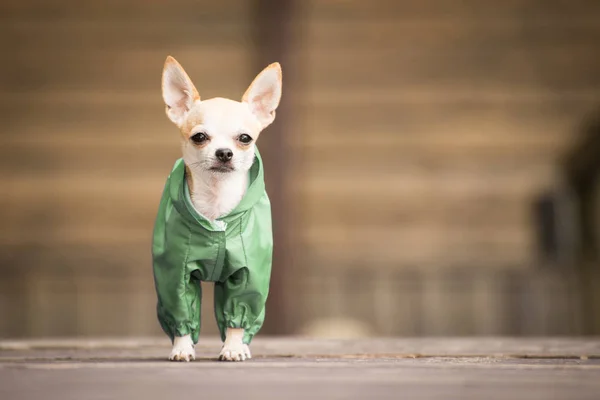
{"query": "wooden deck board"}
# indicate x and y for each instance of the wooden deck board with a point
(455, 368)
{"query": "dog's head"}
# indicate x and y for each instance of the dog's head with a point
(218, 134)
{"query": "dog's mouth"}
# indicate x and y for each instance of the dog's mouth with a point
(222, 168)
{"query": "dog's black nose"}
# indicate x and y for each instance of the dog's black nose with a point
(224, 154)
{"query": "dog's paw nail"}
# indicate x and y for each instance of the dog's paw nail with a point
(234, 352)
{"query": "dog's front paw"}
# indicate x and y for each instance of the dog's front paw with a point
(183, 349)
(237, 351)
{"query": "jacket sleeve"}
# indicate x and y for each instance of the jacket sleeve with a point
(178, 292)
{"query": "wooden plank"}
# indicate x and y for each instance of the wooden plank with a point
(180, 11)
(429, 368)
(500, 351)
(424, 183)
(364, 209)
(453, 46)
(469, 9)
(97, 218)
(121, 261)
(354, 9)
(425, 107)
(443, 95)
(445, 143)
(404, 126)
(75, 210)
(416, 156)
(64, 291)
(65, 36)
(330, 35)
(80, 98)
(418, 246)
(120, 160)
(154, 132)
(85, 234)
(124, 69)
(541, 68)
(40, 229)
(70, 190)
(79, 182)
(66, 119)
(442, 34)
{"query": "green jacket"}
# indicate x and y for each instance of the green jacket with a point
(234, 251)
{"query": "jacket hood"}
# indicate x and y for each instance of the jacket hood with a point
(182, 202)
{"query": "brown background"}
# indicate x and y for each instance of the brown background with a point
(412, 142)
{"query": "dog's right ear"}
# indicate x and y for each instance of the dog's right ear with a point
(264, 94)
(178, 91)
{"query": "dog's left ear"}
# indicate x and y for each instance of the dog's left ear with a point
(264, 94)
(178, 91)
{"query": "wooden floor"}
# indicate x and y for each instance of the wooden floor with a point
(294, 368)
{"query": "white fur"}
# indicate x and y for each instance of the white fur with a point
(216, 192)
(234, 348)
(214, 196)
(183, 349)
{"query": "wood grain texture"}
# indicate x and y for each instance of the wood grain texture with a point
(420, 133)
(429, 128)
(449, 368)
(86, 150)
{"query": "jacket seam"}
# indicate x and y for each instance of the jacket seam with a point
(186, 284)
(242, 240)
(216, 273)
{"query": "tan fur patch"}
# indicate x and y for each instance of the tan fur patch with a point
(194, 118)
(169, 62)
(189, 179)
(274, 66)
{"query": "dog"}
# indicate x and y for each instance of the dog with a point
(214, 219)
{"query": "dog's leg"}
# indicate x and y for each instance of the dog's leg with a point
(234, 348)
(183, 349)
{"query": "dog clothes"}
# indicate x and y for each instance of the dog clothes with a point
(234, 252)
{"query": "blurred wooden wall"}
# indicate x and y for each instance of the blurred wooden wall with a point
(428, 129)
(86, 149)
(581, 165)
(420, 131)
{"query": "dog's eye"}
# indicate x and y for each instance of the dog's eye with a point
(199, 138)
(244, 138)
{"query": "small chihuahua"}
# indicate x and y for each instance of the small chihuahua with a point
(214, 218)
